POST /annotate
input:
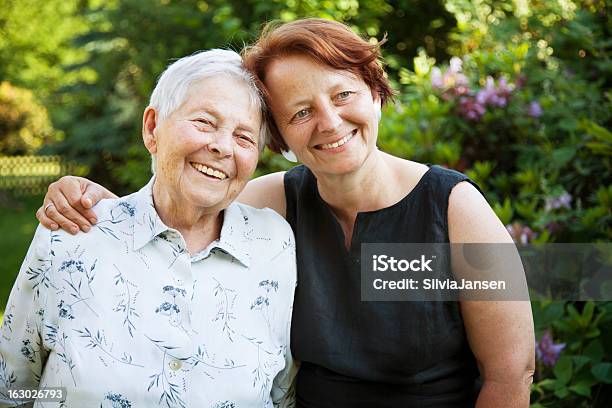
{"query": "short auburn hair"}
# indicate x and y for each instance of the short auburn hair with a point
(328, 42)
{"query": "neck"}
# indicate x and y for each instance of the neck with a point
(346, 193)
(197, 226)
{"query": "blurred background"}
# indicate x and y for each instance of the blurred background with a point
(514, 93)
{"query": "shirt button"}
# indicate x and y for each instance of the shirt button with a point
(175, 365)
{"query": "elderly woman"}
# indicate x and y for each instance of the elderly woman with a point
(325, 88)
(177, 297)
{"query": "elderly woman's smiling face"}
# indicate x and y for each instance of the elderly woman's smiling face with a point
(207, 149)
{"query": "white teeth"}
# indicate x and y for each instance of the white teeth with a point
(339, 142)
(209, 171)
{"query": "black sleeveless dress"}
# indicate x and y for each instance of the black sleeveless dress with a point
(358, 354)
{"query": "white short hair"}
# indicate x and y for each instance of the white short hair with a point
(173, 84)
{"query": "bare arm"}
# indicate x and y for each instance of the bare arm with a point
(500, 333)
(69, 200)
(266, 191)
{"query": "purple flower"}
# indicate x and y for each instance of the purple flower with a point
(534, 110)
(521, 234)
(496, 96)
(547, 351)
(562, 201)
(470, 108)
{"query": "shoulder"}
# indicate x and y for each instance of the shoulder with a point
(266, 192)
(265, 219)
(114, 227)
(447, 177)
(104, 208)
(269, 239)
(471, 218)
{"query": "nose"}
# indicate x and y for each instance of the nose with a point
(221, 144)
(329, 119)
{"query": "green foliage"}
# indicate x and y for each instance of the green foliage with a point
(536, 136)
(526, 113)
(529, 126)
(95, 63)
(578, 379)
(24, 123)
(16, 232)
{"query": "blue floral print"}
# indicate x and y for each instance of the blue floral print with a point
(125, 316)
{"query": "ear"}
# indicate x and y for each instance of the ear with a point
(149, 126)
(377, 100)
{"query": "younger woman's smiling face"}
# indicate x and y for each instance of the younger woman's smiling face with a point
(328, 118)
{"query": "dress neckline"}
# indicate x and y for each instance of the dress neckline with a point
(397, 204)
(361, 214)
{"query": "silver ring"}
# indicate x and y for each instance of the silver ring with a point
(47, 206)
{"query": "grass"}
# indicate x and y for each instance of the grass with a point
(17, 225)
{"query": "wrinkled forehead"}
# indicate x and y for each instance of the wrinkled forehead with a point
(225, 96)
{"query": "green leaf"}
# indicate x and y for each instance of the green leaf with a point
(580, 361)
(561, 392)
(548, 384)
(504, 212)
(587, 314)
(593, 129)
(563, 370)
(581, 389)
(563, 155)
(603, 372)
(594, 351)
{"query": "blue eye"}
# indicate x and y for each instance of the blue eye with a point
(344, 95)
(301, 114)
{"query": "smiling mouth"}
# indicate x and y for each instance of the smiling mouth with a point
(338, 143)
(209, 171)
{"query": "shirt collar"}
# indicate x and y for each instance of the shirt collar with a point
(148, 225)
(235, 234)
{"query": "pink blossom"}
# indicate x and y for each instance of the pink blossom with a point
(436, 78)
(452, 82)
(470, 108)
(495, 96)
(455, 65)
(521, 234)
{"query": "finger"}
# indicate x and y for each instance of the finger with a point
(44, 220)
(66, 210)
(64, 223)
(91, 196)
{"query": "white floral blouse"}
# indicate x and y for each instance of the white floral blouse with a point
(124, 317)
